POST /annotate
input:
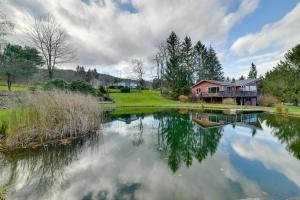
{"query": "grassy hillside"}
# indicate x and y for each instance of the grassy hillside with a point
(151, 98)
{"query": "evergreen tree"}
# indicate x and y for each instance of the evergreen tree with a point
(242, 77)
(215, 70)
(187, 67)
(80, 72)
(17, 61)
(89, 76)
(253, 72)
(173, 68)
(200, 53)
(283, 80)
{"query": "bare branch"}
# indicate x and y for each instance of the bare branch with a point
(52, 41)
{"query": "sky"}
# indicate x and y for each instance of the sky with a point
(108, 34)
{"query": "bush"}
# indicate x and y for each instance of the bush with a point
(82, 86)
(183, 98)
(64, 115)
(125, 90)
(267, 100)
(229, 101)
(56, 84)
(101, 91)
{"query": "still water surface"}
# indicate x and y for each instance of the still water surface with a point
(173, 154)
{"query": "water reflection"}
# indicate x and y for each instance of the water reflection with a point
(180, 139)
(286, 129)
(165, 155)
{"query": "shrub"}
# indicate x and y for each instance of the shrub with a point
(125, 90)
(286, 110)
(82, 86)
(229, 101)
(267, 100)
(183, 98)
(42, 119)
(56, 84)
(101, 91)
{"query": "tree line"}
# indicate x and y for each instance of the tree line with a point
(180, 64)
(283, 81)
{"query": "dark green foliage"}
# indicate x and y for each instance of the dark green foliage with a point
(82, 86)
(214, 68)
(87, 76)
(173, 69)
(284, 80)
(80, 72)
(17, 61)
(187, 66)
(183, 141)
(101, 91)
(56, 84)
(253, 72)
(125, 90)
(156, 83)
(242, 77)
(3, 128)
(286, 129)
(201, 54)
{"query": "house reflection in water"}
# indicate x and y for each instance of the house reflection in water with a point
(210, 119)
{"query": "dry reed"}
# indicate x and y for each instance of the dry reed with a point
(49, 116)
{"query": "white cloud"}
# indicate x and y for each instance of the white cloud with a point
(272, 158)
(106, 35)
(282, 33)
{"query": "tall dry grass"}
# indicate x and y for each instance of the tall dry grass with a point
(49, 116)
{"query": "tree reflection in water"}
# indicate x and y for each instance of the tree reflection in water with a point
(286, 129)
(181, 139)
(42, 168)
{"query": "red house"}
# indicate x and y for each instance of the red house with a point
(243, 91)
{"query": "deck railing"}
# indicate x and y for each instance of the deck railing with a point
(229, 94)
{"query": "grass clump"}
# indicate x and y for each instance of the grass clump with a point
(2, 192)
(49, 116)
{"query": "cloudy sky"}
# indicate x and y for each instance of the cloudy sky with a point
(107, 34)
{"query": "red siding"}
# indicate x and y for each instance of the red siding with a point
(204, 87)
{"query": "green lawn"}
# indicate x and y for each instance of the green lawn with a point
(151, 98)
(16, 87)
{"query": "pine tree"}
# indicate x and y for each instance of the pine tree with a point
(172, 73)
(253, 72)
(187, 68)
(242, 77)
(89, 75)
(215, 70)
(200, 53)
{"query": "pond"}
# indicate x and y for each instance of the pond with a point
(170, 154)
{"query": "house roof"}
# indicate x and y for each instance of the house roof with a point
(231, 84)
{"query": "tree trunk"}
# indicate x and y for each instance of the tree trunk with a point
(9, 82)
(50, 73)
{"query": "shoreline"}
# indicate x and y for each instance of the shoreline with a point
(205, 107)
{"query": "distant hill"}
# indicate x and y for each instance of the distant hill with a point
(69, 75)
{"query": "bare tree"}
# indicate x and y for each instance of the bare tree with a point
(52, 41)
(6, 27)
(139, 71)
(160, 59)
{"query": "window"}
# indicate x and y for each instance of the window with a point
(198, 90)
(213, 90)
